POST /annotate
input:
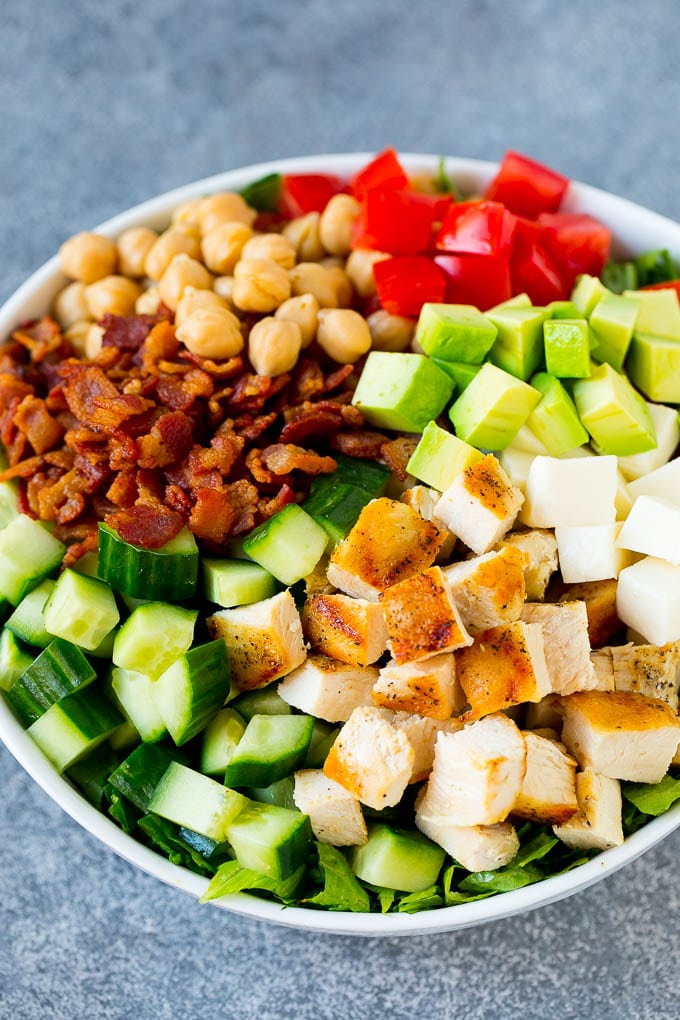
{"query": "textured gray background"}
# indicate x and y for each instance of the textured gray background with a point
(105, 104)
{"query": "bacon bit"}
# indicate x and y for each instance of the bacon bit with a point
(12, 388)
(351, 416)
(63, 458)
(40, 339)
(122, 452)
(335, 380)
(282, 458)
(35, 421)
(160, 344)
(150, 525)
(252, 428)
(312, 423)
(269, 507)
(363, 443)
(128, 332)
(181, 393)
(177, 499)
(170, 439)
(252, 391)
(123, 489)
(397, 452)
(243, 500)
(77, 550)
(257, 468)
(24, 469)
(72, 508)
(53, 497)
(212, 515)
(55, 400)
(308, 381)
(221, 370)
(92, 469)
(150, 486)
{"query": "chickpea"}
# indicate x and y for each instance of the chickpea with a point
(182, 272)
(274, 345)
(343, 334)
(343, 285)
(271, 246)
(211, 333)
(193, 299)
(93, 341)
(223, 245)
(223, 207)
(224, 286)
(390, 332)
(114, 294)
(88, 257)
(173, 241)
(260, 285)
(148, 301)
(77, 334)
(133, 247)
(336, 225)
(70, 305)
(188, 212)
(303, 309)
(303, 233)
(359, 268)
(311, 278)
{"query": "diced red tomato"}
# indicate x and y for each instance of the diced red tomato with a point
(476, 228)
(532, 266)
(399, 222)
(481, 280)
(526, 187)
(385, 171)
(666, 285)
(305, 193)
(580, 243)
(406, 282)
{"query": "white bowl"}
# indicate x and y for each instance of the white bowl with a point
(635, 229)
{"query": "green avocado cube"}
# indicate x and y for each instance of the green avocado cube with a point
(440, 456)
(518, 301)
(461, 373)
(455, 332)
(493, 408)
(567, 348)
(555, 419)
(401, 391)
(653, 364)
(615, 414)
(519, 345)
(659, 313)
(587, 292)
(612, 322)
(562, 310)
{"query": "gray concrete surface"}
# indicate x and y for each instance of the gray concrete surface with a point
(103, 105)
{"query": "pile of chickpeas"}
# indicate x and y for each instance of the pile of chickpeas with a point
(215, 272)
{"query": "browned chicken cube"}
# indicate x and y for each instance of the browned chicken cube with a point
(421, 618)
(505, 666)
(351, 630)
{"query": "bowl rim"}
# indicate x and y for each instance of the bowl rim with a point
(629, 221)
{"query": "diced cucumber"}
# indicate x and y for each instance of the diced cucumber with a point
(14, 660)
(289, 545)
(188, 798)
(362, 474)
(28, 554)
(219, 741)
(170, 572)
(323, 738)
(397, 859)
(272, 747)
(87, 564)
(269, 839)
(104, 649)
(74, 726)
(135, 694)
(27, 622)
(81, 609)
(236, 582)
(336, 508)
(60, 670)
(153, 637)
(193, 689)
(137, 777)
(209, 849)
(91, 774)
(124, 737)
(9, 503)
(264, 701)
(279, 793)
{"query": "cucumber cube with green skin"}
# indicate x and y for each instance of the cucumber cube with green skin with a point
(612, 322)
(193, 689)
(236, 582)
(455, 332)
(567, 348)
(272, 747)
(220, 739)
(58, 671)
(26, 622)
(555, 419)
(14, 660)
(264, 701)
(9, 502)
(75, 726)
(104, 649)
(271, 840)
(170, 572)
(124, 737)
(518, 348)
(336, 508)
(137, 777)
(289, 545)
(87, 564)
(440, 456)
(153, 637)
(323, 738)
(134, 693)
(653, 364)
(615, 414)
(279, 793)
(659, 313)
(587, 292)
(81, 609)
(493, 408)
(562, 310)
(401, 391)
(363, 474)
(28, 554)
(197, 802)
(461, 373)
(396, 859)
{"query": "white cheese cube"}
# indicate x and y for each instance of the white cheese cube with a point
(648, 599)
(591, 553)
(578, 491)
(597, 824)
(334, 813)
(667, 438)
(664, 483)
(516, 464)
(653, 528)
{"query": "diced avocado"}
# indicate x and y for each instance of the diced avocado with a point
(615, 414)
(555, 420)
(567, 348)
(587, 293)
(653, 364)
(562, 310)
(493, 408)
(397, 859)
(461, 373)
(455, 332)
(519, 345)
(518, 301)
(620, 276)
(659, 313)
(401, 391)
(612, 321)
(440, 456)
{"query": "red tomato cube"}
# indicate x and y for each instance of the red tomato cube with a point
(526, 187)
(398, 222)
(406, 282)
(385, 171)
(476, 228)
(480, 280)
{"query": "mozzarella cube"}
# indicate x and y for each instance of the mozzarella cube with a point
(335, 815)
(578, 491)
(480, 505)
(264, 640)
(648, 599)
(516, 464)
(428, 688)
(667, 428)
(422, 734)
(421, 618)
(328, 689)
(597, 824)
(664, 483)
(548, 792)
(351, 630)
(647, 669)
(475, 847)
(590, 553)
(652, 528)
(567, 645)
(620, 734)
(505, 666)
(540, 549)
(371, 758)
(488, 590)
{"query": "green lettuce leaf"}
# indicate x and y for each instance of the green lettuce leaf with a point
(503, 880)
(166, 836)
(427, 899)
(653, 800)
(535, 848)
(341, 889)
(231, 877)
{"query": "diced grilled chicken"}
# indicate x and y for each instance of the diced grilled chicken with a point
(648, 669)
(476, 847)
(597, 823)
(422, 733)
(548, 791)
(489, 590)
(603, 664)
(371, 758)
(423, 499)
(317, 582)
(567, 647)
(328, 689)
(351, 630)
(600, 600)
(421, 618)
(264, 640)
(477, 773)
(505, 666)
(428, 688)
(545, 714)
(480, 505)
(621, 734)
(364, 565)
(335, 814)
(540, 547)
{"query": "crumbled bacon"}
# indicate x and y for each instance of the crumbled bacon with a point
(212, 515)
(41, 338)
(127, 332)
(364, 443)
(150, 525)
(170, 439)
(397, 452)
(282, 458)
(269, 507)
